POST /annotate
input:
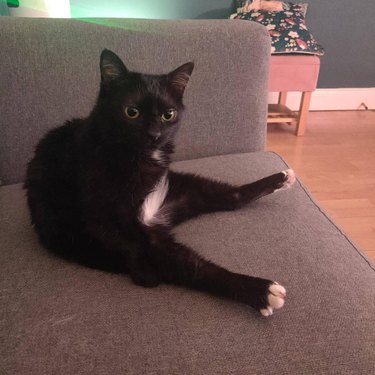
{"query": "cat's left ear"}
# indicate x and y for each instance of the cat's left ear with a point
(111, 66)
(179, 77)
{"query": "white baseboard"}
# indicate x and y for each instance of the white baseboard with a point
(332, 99)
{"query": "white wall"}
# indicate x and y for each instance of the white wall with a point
(332, 99)
(42, 8)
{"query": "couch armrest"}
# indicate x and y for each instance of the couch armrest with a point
(49, 72)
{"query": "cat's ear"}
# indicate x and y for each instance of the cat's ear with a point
(179, 77)
(111, 66)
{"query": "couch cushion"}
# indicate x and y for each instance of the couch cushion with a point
(62, 318)
(49, 73)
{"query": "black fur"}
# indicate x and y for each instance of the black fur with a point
(89, 178)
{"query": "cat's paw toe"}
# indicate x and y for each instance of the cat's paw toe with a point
(275, 299)
(289, 179)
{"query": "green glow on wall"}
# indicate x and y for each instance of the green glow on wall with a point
(151, 28)
(118, 9)
(149, 9)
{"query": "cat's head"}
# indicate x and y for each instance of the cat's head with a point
(143, 108)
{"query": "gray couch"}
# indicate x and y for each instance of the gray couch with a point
(61, 318)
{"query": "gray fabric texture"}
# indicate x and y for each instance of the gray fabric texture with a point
(49, 73)
(60, 318)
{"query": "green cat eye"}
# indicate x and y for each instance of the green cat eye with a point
(132, 112)
(169, 115)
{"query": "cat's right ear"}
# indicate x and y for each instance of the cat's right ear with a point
(179, 78)
(111, 66)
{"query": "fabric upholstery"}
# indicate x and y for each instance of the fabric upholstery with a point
(61, 318)
(293, 73)
(49, 73)
(287, 28)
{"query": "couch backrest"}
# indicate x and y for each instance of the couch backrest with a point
(49, 73)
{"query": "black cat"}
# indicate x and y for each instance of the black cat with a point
(101, 194)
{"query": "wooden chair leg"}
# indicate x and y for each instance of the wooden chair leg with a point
(303, 112)
(282, 97)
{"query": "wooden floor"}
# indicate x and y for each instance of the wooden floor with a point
(336, 161)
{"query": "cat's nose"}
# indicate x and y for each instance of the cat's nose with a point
(154, 134)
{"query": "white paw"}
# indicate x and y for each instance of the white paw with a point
(290, 179)
(276, 298)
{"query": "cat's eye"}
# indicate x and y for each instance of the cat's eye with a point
(132, 112)
(169, 115)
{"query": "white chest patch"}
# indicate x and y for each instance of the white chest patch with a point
(158, 156)
(151, 206)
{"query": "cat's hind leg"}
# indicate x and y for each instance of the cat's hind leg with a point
(179, 264)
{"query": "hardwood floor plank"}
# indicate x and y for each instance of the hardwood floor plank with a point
(336, 161)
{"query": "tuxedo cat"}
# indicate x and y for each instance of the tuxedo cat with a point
(100, 191)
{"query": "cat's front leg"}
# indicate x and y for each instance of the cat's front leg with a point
(142, 271)
(268, 185)
(190, 195)
(126, 246)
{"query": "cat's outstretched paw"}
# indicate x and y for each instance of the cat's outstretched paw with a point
(144, 274)
(289, 180)
(275, 299)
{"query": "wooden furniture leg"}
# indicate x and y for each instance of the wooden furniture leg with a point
(282, 97)
(303, 112)
(280, 112)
